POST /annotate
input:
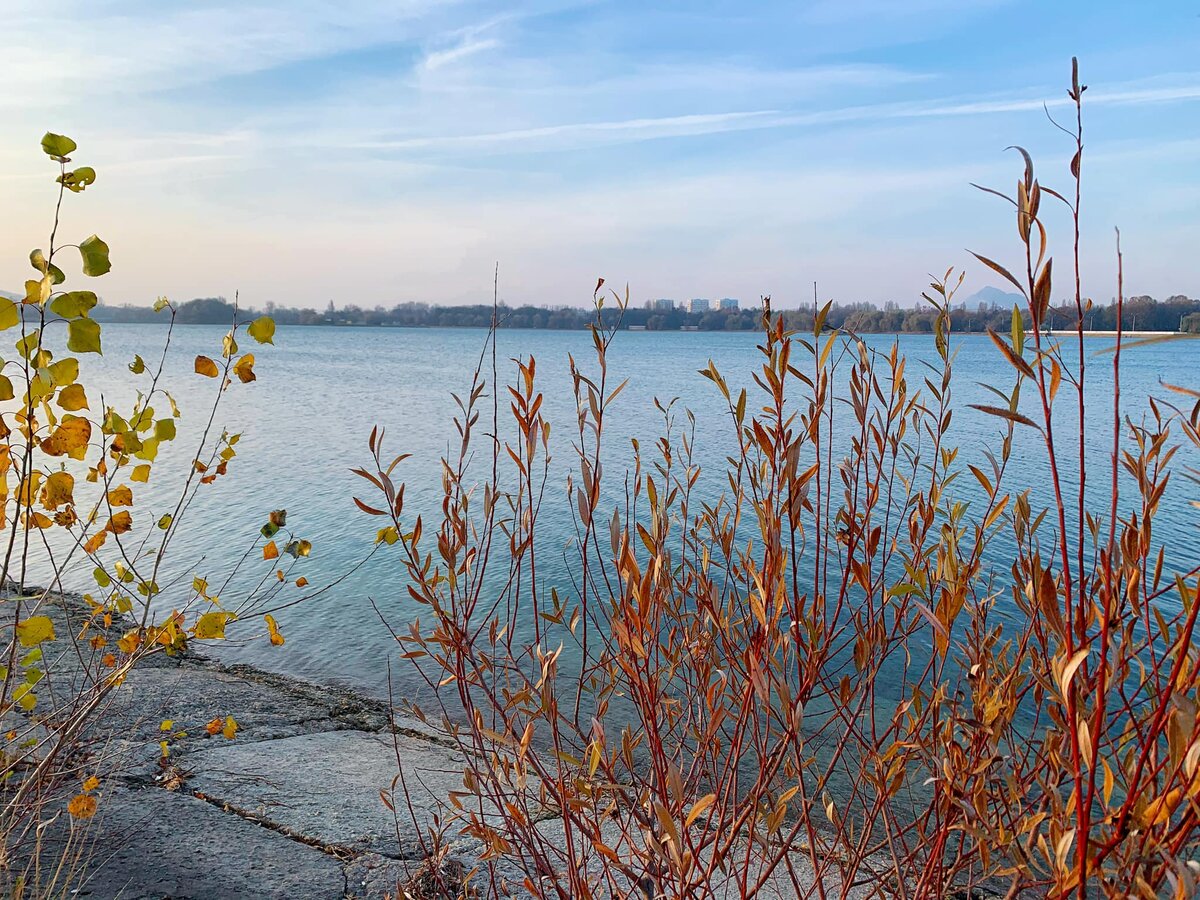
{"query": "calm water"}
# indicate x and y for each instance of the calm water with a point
(320, 390)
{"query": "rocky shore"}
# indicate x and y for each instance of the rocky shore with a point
(289, 807)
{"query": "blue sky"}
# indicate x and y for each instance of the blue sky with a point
(374, 152)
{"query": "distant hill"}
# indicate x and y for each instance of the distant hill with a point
(992, 297)
(11, 296)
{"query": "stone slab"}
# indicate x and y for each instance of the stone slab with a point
(149, 843)
(327, 786)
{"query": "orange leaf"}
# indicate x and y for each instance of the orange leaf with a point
(82, 806)
(206, 367)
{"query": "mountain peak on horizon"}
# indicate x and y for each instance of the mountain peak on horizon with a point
(990, 295)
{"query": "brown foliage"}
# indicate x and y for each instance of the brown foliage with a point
(801, 684)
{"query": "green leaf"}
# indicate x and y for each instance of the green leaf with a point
(1018, 331)
(9, 316)
(28, 344)
(56, 274)
(262, 330)
(83, 336)
(37, 259)
(73, 304)
(95, 256)
(149, 450)
(138, 366)
(211, 625)
(34, 630)
(64, 372)
(38, 292)
(57, 146)
(78, 180)
(164, 430)
(6, 388)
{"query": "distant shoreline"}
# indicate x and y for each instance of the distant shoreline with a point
(634, 329)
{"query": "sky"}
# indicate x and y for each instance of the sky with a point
(382, 151)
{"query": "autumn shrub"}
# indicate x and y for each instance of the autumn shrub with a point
(72, 469)
(811, 681)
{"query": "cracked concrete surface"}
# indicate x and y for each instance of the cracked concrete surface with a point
(290, 807)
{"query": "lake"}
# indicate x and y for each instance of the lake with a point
(321, 389)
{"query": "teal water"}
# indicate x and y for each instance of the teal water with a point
(320, 390)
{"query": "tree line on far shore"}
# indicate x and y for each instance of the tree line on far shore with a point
(1142, 313)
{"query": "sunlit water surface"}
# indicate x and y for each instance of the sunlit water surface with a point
(321, 389)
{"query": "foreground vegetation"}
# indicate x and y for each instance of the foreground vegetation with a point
(73, 469)
(813, 683)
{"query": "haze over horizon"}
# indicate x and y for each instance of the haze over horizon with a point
(378, 152)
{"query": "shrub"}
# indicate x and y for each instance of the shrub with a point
(801, 685)
(71, 468)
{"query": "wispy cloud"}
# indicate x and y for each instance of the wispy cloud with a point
(441, 58)
(766, 141)
(540, 138)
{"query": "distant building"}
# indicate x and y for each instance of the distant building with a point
(663, 304)
(699, 305)
(727, 304)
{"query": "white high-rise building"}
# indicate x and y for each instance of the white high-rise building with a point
(699, 305)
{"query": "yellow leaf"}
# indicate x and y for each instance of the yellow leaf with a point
(262, 330)
(34, 630)
(59, 489)
(211, 625)
(206, 367)
(25, 697)
(91, 783)
(276, 637)
(167, 725)
(270, 551)
(70, 438)
(231, 728)
(82, 806)
(699, 807)
(140, 473)
(1069, 670)
(244, 369)
(73, 397)
(1158, 811)
(120, 496)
